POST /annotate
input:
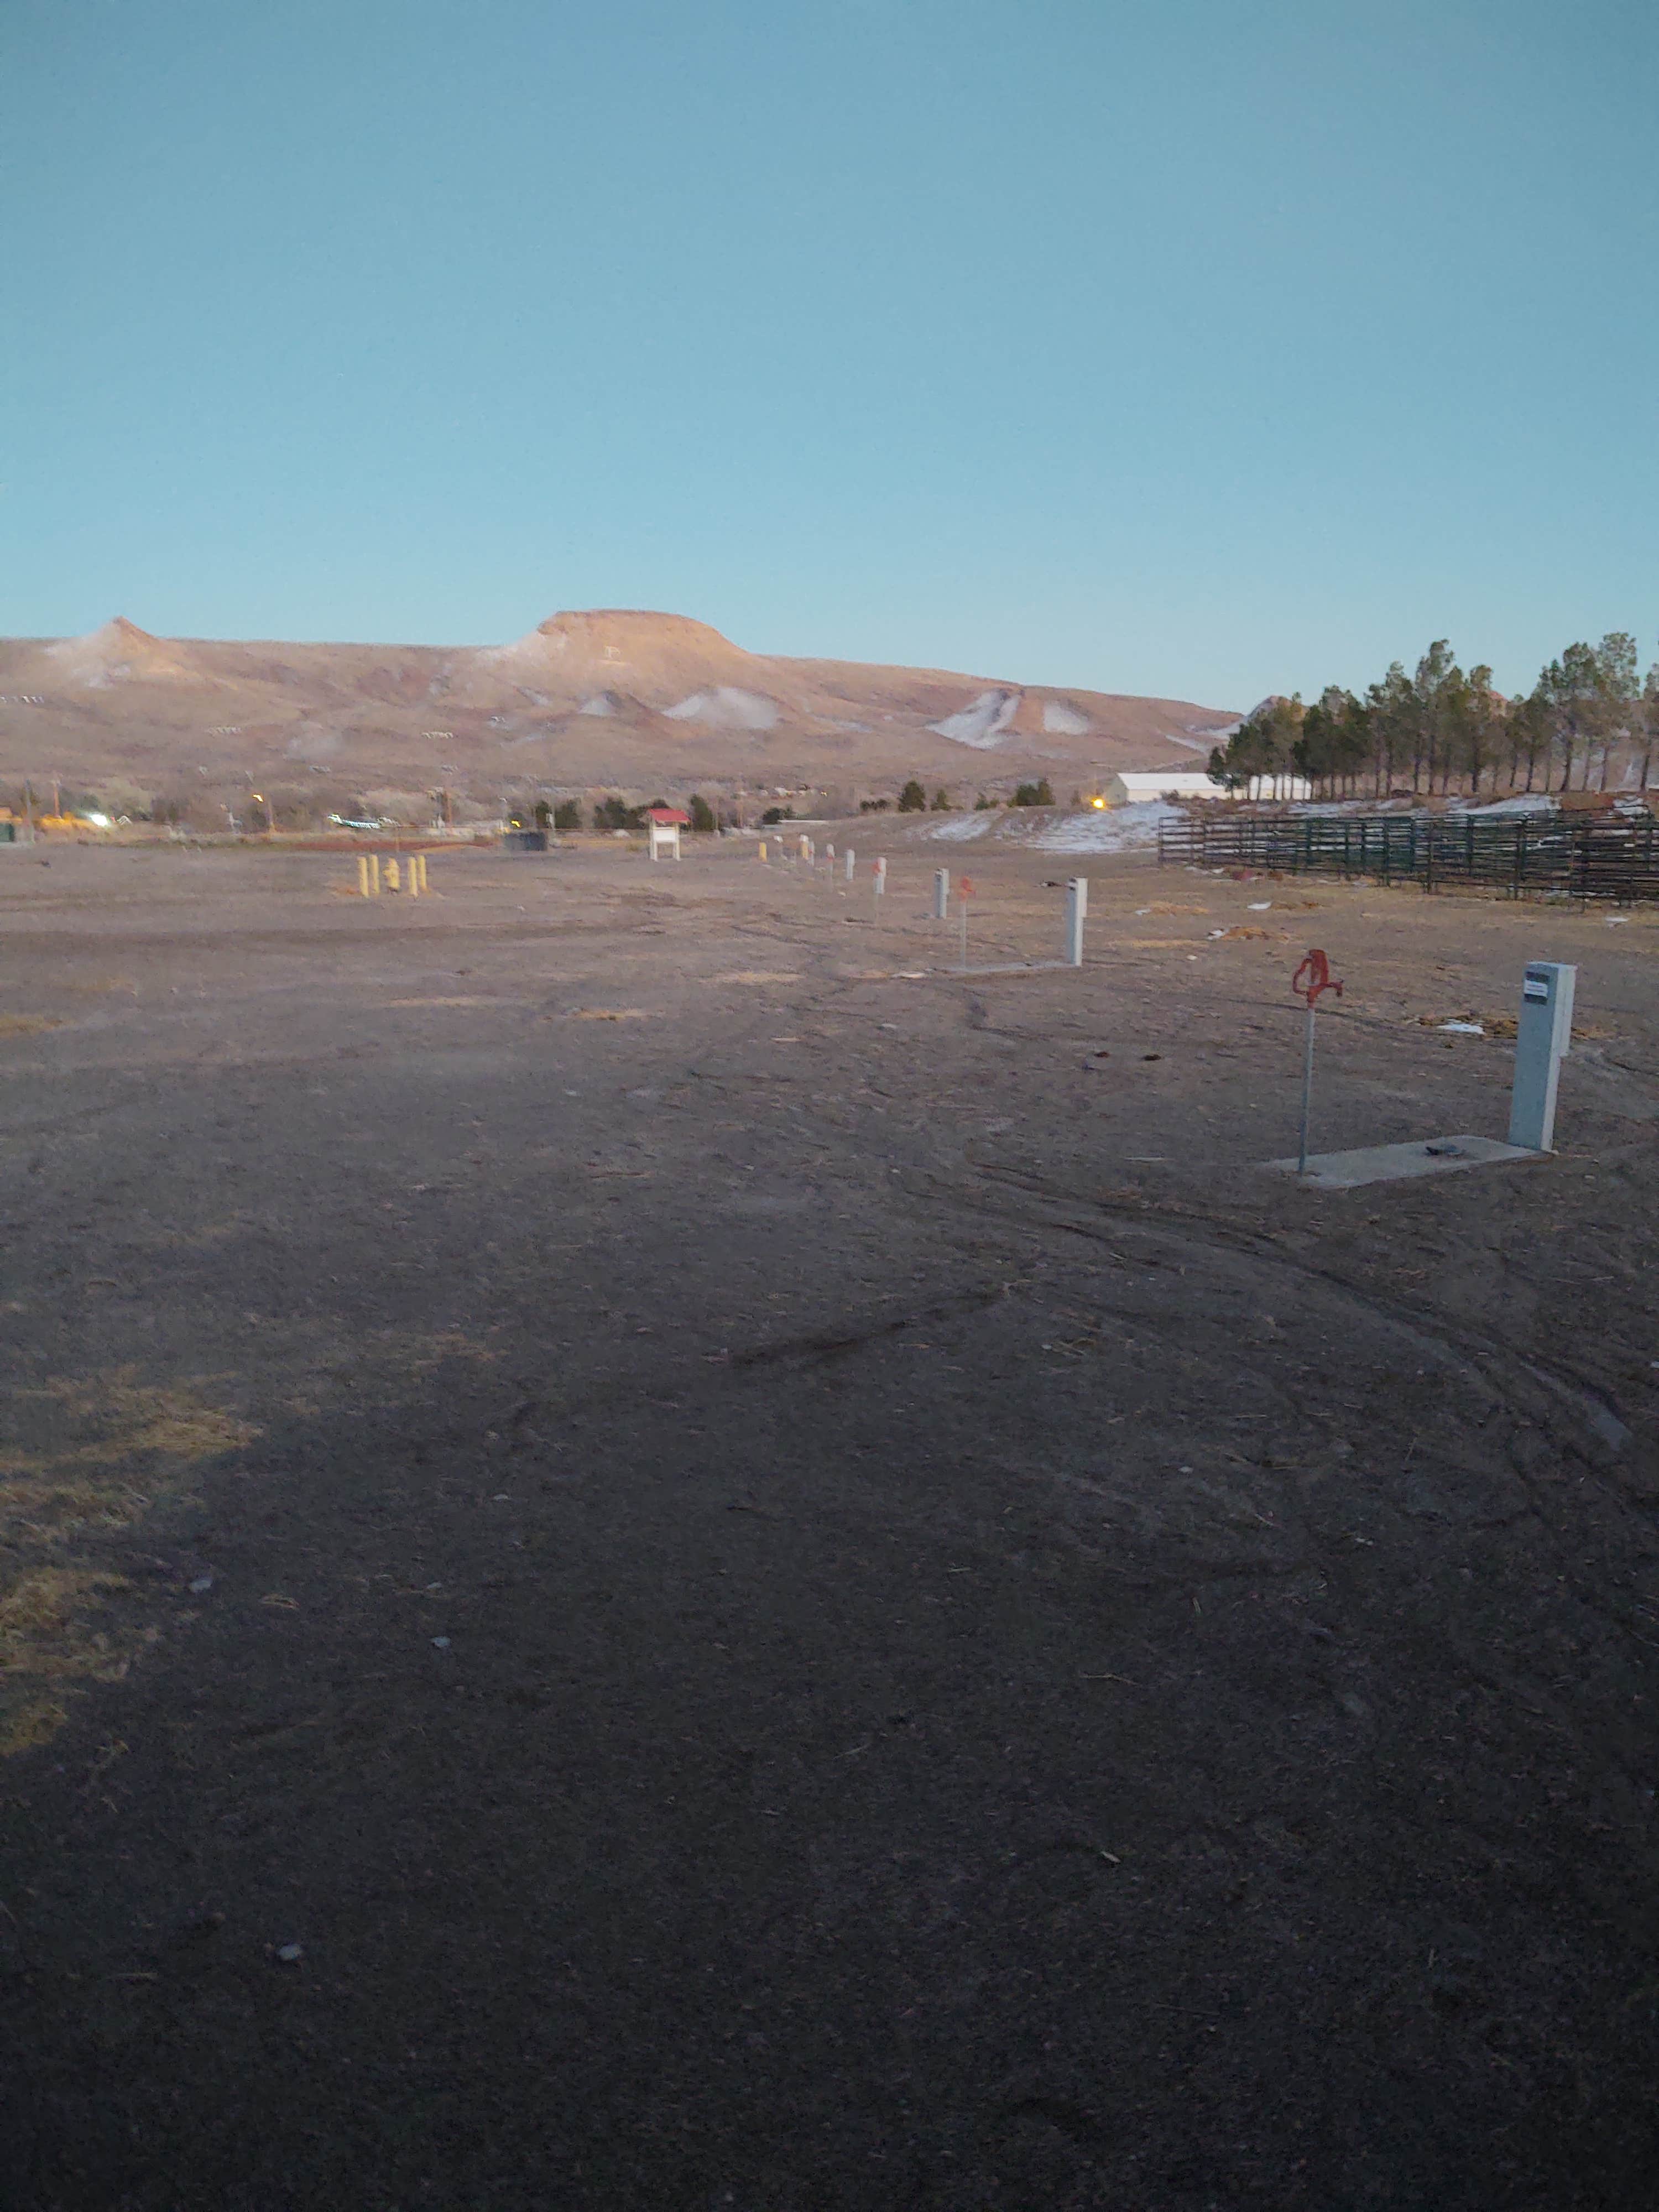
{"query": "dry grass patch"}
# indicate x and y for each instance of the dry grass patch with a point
(81, 1459)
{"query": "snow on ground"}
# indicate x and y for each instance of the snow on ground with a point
(1045, 830)
(981, 723)
(726, 707)
(1524, 802)
(1117, 830)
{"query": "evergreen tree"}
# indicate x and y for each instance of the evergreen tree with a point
(1650, 721)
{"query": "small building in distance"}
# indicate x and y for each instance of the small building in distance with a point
(1130, 787)
(663, 826)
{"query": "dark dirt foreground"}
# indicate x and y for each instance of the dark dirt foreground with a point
(818, 1596)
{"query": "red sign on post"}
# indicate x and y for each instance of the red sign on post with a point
(965, 885)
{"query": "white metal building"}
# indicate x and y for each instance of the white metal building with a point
(1136, 784)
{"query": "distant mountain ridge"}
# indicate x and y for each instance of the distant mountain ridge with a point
(608, 695)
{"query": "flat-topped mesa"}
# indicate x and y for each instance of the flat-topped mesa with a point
(641, 628)
(669, 664)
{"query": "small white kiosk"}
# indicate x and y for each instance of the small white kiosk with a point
(664, 825)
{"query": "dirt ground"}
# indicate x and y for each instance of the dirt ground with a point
(650, 1563)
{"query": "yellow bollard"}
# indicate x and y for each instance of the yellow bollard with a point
(412, 869)
(763, 848)
(393, 880)
(374, 875)
(420, 862)
(362, 875)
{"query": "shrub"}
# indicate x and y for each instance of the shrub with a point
(615, 813)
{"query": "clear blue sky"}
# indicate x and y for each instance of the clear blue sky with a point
(1204, 347)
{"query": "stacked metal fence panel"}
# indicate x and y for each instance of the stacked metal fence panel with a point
(1526, 855)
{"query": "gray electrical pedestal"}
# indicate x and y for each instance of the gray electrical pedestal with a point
(1542, 1043)
(1077, 906)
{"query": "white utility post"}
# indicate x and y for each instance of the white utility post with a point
(1543, 1040)
(1077, 906)
(878, 875)
(849, 862)
(941, 894)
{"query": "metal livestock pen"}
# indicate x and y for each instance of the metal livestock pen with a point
(1525, 855)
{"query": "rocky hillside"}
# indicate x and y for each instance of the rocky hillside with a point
(612, 699)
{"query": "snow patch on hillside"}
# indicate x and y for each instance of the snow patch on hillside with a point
(983, 723)
(1062, 721)
(726, 707)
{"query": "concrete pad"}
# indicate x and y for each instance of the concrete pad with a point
(1392, 1162)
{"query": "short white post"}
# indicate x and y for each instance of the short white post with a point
(1543, 1040)
(1077, 906)
(879, 874)
(941, 894)
(848, 864)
